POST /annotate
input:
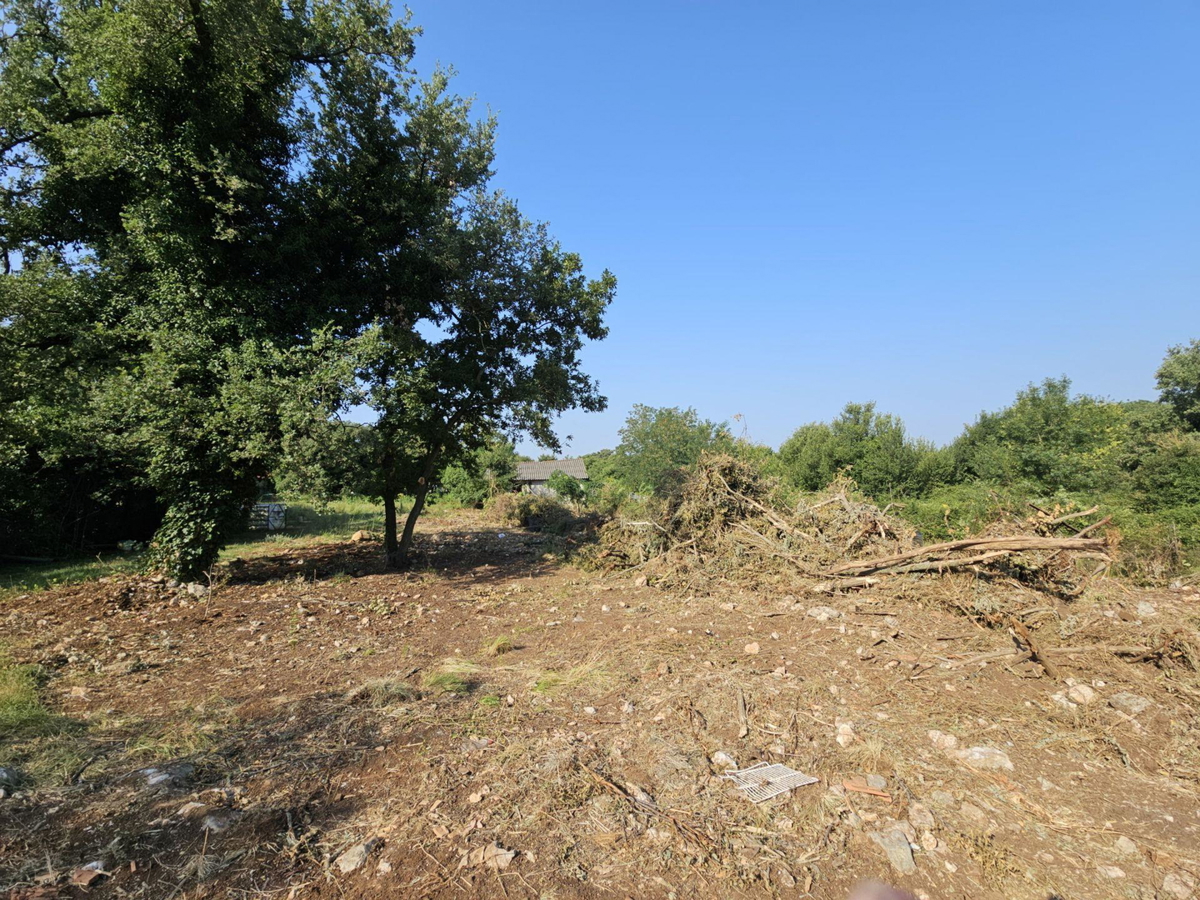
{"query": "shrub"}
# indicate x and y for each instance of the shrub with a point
(536, 511)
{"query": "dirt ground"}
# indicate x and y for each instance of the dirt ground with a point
(497, 723)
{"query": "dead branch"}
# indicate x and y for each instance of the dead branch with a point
(1009, 544)
(1022, 631)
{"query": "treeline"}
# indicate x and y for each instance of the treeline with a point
(225, 225)
(1140, 460)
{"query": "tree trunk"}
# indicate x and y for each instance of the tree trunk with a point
(401, 559)
(390, 551)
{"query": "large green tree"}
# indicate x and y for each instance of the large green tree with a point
(181, 211)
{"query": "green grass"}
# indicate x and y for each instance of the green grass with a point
(21, 709)
(453, 676)
(310, 522)
(22, 578)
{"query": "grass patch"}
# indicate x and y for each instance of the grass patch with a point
(21, 709)
(453, 676)
(23, 578)
(491, 701)
(500, 646)
(590, 671)
(196, 732)
(384, 692)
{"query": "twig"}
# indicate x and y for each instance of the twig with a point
(1036, 651)
(690, 832)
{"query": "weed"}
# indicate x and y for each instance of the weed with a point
(380, 607)
(196, 732)
(489, 700)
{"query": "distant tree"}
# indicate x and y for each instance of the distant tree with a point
(567, 487)
(1169, 475)
(871, 447)
(1048, 438)
(1179, 382)
(656, 441)
(482, 474)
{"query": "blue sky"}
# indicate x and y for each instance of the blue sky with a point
(924, 204)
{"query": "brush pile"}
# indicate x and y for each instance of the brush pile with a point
(726, 523)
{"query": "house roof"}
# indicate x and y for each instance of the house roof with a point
(541, 471)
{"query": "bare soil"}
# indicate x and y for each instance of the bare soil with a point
(306, 706)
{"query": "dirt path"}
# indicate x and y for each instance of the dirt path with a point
(313, 715)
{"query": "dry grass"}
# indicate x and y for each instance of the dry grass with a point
(589, 672)
(499, 646)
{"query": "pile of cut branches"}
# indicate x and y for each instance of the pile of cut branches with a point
(725, 522)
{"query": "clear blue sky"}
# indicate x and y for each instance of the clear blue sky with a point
(924, 204)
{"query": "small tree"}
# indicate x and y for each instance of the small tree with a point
(566, 487)
(497, 352)
(657, 441)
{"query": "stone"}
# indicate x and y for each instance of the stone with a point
(1130, 704)
(942, 798)
(973, 814)
(589, 710)
(897, 847)
(169, 777)
(641, 581)
(9, 777)
(1146, 610)
(359, 536)
(1081, 694)
(352, 858)
(1111, 871)
(752, 648)
(876, 781)
(190, 809)
(920, 816)
(628, 708)
(942, 741)
(985, 758)
(221, 820)
(823, 613)
(1179, 885)
(845, 732)
(196, 589)
(721, 758)
(1125, 847)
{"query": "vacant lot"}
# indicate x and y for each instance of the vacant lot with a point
(500, 723)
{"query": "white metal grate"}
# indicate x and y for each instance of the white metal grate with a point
(764, 780)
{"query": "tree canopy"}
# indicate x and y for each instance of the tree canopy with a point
(225, 222)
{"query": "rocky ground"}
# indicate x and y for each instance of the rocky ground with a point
(499, 723)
